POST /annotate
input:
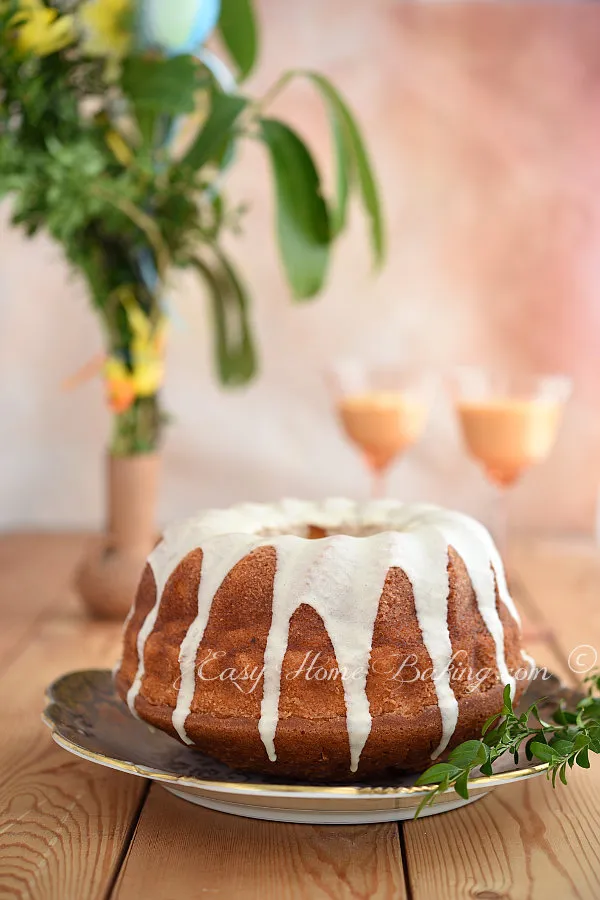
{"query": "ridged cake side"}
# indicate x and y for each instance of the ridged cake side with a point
(320, 732)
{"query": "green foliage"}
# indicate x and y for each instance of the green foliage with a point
(217, 130)
(354, 173)
(160, 85)
(562, 743)
(237, 25)
(352, 165)
(234, 349)
(302, 217)
(89, 152)
(156, 87)
(137, 429)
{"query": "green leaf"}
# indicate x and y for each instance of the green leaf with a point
(343, 152)
(487, 768)
(461, 786)
(437, 773)
(237, 26)
(489, 722)
(563, 717)
(224, 112)
(562, 747)
(352, 162)
(581, 740)
(533, 711)
(582, 759)
(234, 347)
(594, 735)
(563, 773)
(543, 751)
(303, 226)
(157, 86)
(470, 753)
(507, 709)
(344, 176)
(428, 800)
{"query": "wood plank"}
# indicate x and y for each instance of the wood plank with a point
(35, 570)
(525, 840)
(562, 580)
(205, 853)
(64, 823)
(539, 637)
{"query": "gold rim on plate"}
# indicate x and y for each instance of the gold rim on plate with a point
(75, 702)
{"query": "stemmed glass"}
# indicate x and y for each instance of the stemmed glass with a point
(383, 409)
(509, 423)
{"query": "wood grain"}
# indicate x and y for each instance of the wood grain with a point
(66, 826)
(562, 582)
(35, 571)
(526, 840)
(64, 823)
(180, 850)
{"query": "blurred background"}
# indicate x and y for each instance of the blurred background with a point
(482, 119)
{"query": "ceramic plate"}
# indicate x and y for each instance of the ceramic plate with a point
(88, 718)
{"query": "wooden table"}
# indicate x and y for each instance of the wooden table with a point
(70, 830)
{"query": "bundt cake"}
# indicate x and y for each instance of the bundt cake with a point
(322, 641)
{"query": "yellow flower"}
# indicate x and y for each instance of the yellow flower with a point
(105, 26)
(147, 372)
(120, 391)
(147, 353)
(41, 30)
(148, 377)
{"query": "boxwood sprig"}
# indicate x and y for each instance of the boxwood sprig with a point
(562, 743)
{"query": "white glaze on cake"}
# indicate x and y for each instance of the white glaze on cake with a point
(342, 577)
(220, 555)
(529, 661)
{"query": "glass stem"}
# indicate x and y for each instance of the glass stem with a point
(501, 522)
(378, 483)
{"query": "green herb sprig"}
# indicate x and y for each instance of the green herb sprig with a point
(562, 743)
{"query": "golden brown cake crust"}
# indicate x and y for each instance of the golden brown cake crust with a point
(311, 739)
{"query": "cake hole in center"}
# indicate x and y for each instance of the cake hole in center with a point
(314, 532)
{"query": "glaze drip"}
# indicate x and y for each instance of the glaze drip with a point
(342, 577)
(219, 557)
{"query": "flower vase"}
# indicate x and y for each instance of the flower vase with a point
(108, 577)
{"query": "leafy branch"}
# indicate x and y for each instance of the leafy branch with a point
(116, 142)
(351, 158)
(561, 744)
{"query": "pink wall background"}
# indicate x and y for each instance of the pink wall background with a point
(484, 122)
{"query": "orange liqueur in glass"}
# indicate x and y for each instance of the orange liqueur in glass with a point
(509, 435)
(382, 423)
